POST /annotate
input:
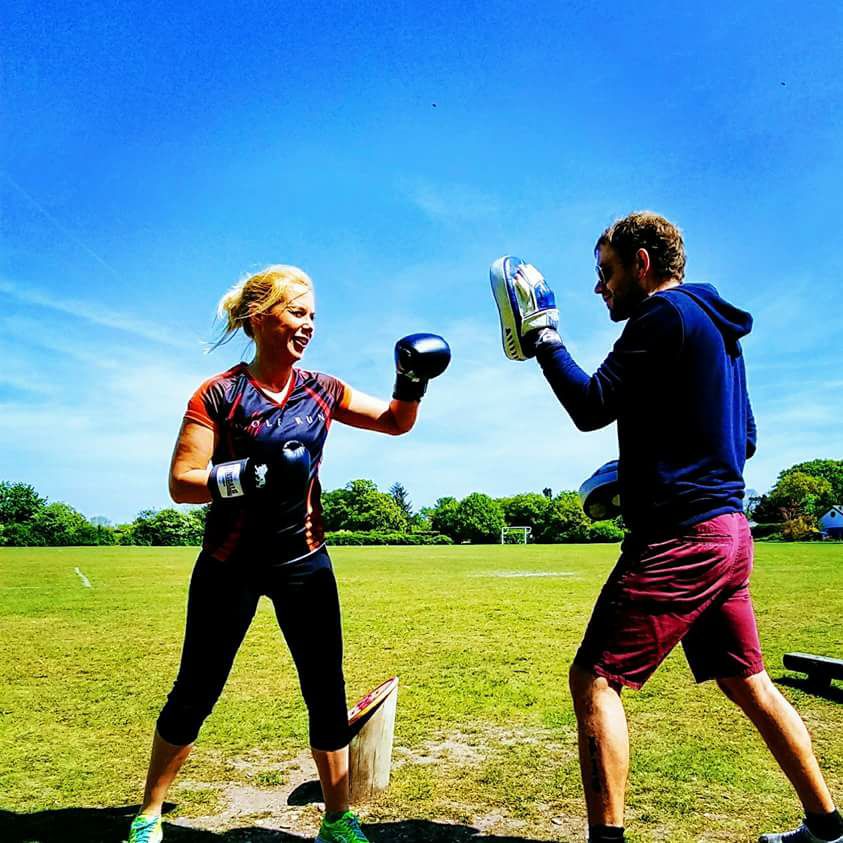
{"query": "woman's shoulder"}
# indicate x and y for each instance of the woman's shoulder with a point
(221, 381)
(312, 376)
(229, 374)
(323, 385)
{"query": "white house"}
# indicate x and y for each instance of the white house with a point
(832, 522)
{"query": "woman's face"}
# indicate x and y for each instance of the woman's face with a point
(286, 327)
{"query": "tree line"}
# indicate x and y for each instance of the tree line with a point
(477, 518)
(802, 494)
(360, 513)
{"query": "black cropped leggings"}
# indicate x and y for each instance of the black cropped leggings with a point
(221, 603)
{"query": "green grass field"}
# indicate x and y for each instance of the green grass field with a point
(481, 638)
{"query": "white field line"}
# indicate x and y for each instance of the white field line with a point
(85, 581)
(525, 574)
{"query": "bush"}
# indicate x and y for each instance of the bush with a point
(382, 537)
(605, 531)
(167, 527)
(767, 531)
(800, 529)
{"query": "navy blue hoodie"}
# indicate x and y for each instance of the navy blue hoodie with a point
(676, 385)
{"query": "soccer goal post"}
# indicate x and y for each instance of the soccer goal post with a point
(515, 535)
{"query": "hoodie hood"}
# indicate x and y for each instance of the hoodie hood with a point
(732, 322)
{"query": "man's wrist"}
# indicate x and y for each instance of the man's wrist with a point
(543, 340)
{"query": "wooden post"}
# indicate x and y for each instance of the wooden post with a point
(370, 751)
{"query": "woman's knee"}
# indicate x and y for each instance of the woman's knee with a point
(180, 724)
(184, 713)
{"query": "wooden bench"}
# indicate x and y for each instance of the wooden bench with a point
(820, 669)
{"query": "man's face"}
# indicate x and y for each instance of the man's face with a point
(617, 284)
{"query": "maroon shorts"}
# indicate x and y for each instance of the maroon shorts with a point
(693, 588)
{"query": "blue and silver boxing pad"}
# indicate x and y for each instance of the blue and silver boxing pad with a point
(600, 494)
(525, 303)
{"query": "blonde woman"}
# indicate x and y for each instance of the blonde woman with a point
(262, 427)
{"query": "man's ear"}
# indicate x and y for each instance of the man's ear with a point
(642, 260)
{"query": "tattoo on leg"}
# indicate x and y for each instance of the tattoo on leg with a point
(594, 762)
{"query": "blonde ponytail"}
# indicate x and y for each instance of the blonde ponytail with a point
(254, 294)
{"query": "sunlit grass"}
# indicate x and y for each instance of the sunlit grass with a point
(481, 638)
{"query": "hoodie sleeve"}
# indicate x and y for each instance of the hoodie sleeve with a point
(652, 338)
(751, 430)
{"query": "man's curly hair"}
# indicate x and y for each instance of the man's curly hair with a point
(650, 231)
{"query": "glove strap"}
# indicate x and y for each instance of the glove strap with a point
(408, 389)
(544, 339)
(228, 480)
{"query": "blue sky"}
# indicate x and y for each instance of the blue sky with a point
(152, 154)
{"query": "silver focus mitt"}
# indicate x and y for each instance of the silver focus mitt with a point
(525, 304)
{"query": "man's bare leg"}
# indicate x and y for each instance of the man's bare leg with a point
(603, 746)
(164, 764)
(785, 735)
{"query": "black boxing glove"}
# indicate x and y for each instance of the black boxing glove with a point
(286, 476)
(418, 358)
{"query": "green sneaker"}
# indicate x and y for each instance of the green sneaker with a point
(146, 830)
(344, 829)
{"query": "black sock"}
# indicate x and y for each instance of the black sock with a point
(825, 826)
(605, 834)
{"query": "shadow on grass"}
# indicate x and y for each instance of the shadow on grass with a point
(828, 692)
(306, 793)
(110, 825)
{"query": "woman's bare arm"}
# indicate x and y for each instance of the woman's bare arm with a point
(371, 413)
(189, 466)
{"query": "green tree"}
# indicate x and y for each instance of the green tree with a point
(421, 522)
(443, 517)
(799, 495)
(58, 524)
(566, 521)
(19, 502)
(529, 509)
(360, 506)
(478, 519)
(196, 517)
(17, 535)
(401, 497)
(165, 527)
(829, 470)
(760, 509)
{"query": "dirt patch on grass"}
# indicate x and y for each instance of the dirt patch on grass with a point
(274, 793)
(262, 799)
(456, 748)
